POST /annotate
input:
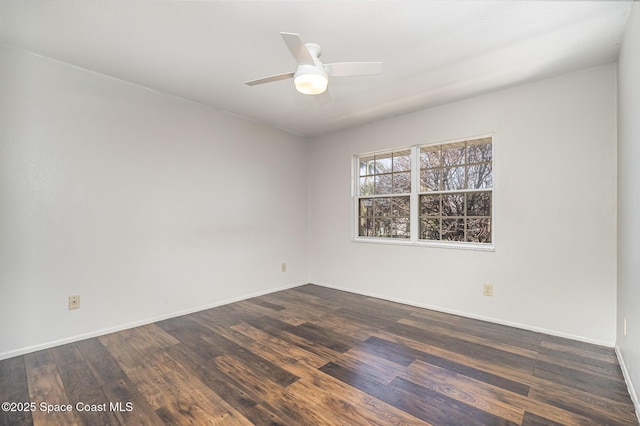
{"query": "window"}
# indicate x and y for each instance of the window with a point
(449, 202)
(385, 190)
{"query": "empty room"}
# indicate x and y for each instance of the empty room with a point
(319, 212)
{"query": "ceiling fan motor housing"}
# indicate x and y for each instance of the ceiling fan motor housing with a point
(314, 49)
(311, 79)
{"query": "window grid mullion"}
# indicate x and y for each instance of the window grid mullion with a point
(414, 208)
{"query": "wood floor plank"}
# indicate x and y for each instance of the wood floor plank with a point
(273, 395)
(597, 354)
(293, 299)
(149, 339)
(585, 381)
(432, 407)
(185, 332)
(265, 304)
(45, 386)
(379, 369)
(358, 332)
(533, 420)
(600, 409)
(344, 404)
(300, 362)
(497, 400)
(38, 359)
(477, 395)
(300, 394)
(576, 397)
(586, 365)
(291, 357)
(129, 406)
(484, 341)
(285, 332)
(14, 389)
(124, 400)
(578, 346)
(122, 352)
(267, 368)
(384, 347)
(324, 336)
(177, 394)
(517, 375)
(394, 352)
(478, 351)
(85, 393)
(66, 354)
(456, 412)
(244, 400)
(102, 365)
(312, 355)
(495, 332)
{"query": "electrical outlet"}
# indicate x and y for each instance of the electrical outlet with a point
(487, 289)
(74, 302)
(283, 267)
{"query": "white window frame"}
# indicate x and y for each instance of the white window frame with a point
(414, 201)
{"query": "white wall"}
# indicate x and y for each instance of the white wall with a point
(629, 203)
(554, 267)
(143, 204)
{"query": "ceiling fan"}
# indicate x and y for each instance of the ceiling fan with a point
(311, 76)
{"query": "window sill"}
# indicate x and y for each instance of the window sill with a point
(432, 244)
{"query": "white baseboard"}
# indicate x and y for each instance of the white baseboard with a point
(627, 379)
(145, 321)
(469, 315)
(120, 327)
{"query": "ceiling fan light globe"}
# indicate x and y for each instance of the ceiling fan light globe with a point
(311, 84)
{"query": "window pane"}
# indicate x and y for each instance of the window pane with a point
(453, 204)
(479, 176)
(453, 178)
(383, 227)
(382, 207)
(430, 229)
(430, 205)
(366, 207)
(478, 204)
(383, 163)
(366, 228)
(401, 227)
(478, 152)
(430, 180)
(401, 183)
(400, 206)
(479, 230)
(430, 157)
(453, 154)
(453, 229)
(366, 166)
(366, 186)
(383, 184)
(402, 161)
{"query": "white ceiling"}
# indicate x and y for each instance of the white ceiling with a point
(433, 51)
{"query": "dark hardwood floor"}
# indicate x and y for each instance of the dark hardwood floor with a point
(316, 356)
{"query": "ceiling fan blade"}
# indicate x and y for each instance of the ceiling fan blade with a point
(297, 48)
(323, 98)
(348, 69)
(270, 79)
